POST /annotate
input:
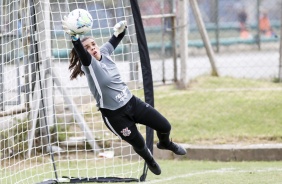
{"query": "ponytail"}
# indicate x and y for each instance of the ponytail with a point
(75, 65)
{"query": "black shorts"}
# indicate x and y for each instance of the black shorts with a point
(122, 121)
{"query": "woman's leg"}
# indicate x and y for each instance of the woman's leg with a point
(129, 133)
(145, 114)
(138, 144)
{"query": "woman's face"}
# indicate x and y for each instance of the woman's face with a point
(93, 49)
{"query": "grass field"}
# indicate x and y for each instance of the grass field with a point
(211, 111)
(205, 172)
(223, 111)
(185, 172)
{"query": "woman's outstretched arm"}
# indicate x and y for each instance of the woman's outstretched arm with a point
(116, 40)
(83, 55)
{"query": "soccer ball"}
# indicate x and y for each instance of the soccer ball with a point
(80, 21)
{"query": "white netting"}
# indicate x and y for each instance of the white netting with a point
(36, 91)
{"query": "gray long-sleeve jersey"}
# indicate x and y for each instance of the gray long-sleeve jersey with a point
(105, 82)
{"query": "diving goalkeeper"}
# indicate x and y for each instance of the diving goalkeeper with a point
(120, 109)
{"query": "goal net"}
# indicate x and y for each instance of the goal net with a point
(50, 128)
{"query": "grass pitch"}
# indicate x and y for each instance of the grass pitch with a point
(223, 110)
(206, 172)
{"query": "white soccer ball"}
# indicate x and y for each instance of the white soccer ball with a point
(80, 21)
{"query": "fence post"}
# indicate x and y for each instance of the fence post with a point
(183, 40)
(173, 41)
(280, 50)
(204, 35)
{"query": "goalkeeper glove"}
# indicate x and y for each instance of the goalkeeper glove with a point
(120, 27)
(67, 30)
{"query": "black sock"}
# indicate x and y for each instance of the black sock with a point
(164, 138)
(144, 153)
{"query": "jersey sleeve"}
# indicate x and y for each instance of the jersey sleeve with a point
(109, 47)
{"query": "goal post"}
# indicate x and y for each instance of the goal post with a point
(146, 73)
(50, 128)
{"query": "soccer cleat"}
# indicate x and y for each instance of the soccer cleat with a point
(175, 148)
(154, 167)
(149, 159)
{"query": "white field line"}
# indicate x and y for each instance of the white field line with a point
(219, 171)
(218, 90)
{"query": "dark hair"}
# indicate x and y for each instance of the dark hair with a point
(75, 64)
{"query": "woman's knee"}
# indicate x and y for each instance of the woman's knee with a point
(165, 128)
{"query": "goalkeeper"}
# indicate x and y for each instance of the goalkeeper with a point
(120, 109)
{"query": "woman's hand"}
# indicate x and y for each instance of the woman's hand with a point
(120, 27)
(67, 30)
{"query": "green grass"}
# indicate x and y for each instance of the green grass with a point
(205, 172)
(223, 110)
(211, 111)
(173, 171)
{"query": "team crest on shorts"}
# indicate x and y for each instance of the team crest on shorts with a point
(126, 132)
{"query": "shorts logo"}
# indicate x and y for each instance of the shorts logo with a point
(125, 132)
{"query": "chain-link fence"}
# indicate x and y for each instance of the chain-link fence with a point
(250, 29)
(245, 39)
